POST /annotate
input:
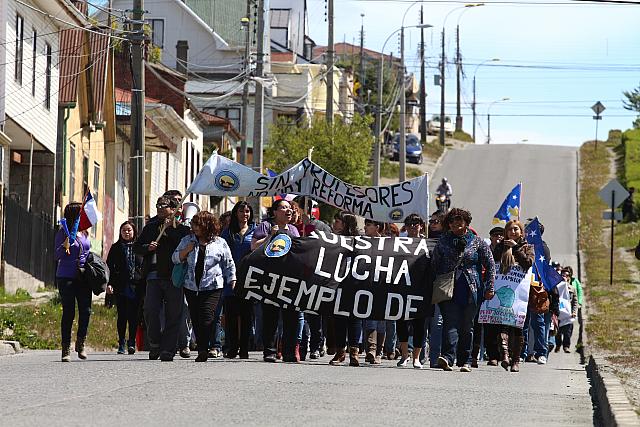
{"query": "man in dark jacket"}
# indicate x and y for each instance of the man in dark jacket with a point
(156, 244)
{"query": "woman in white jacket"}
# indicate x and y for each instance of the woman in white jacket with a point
(209, 266)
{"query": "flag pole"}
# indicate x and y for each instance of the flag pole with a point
(520, 207)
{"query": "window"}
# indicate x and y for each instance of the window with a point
(157, 31)
(121, 175)
(96, 182)
(19, 48)
(85, 175)
(34, 52)
(47, 88)
(1, 163)
(232, 114)
(72, 172)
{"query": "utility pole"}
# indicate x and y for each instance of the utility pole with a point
(330, 61)
(258, 131)
(488, 128)
(423, 89)
(402, 149)
(361, 92)
(137, 163)
(246, 23)
(473, 105)
(442, 68)
(458, 72)
(378, 130)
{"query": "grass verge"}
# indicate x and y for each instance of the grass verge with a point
(38, 326)
(392, 170)
(20, 296)
(613, 310)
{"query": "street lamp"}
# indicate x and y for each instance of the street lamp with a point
(473, 105)
(489, 118)
(402, 151)
(442, 68)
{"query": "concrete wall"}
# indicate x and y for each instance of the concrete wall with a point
(15, 279)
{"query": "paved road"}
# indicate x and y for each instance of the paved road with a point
(109, 389)
(482, 176)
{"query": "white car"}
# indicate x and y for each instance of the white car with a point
(433, 126)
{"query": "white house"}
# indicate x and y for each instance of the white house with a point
(29, 86)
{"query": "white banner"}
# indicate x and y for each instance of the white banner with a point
(509, 305)
(391, 203)
(564, 313)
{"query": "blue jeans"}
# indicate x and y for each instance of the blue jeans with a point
(72, 290)
(457, 331)
(435, 336)
(312, 333)
(391, 337)
(537, 324)
(378, 325)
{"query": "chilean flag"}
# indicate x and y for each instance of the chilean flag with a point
(89, 214)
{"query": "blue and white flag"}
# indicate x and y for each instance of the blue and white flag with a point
(510, 208)
(547, 274)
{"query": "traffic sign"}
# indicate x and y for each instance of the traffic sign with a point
(613, 194)
(616, 215)
(598, 108)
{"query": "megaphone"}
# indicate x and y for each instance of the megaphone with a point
(189, 210)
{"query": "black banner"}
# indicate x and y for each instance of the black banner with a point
(378, 278)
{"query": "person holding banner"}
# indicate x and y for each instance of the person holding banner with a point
(71, 252)
(491, 331)
(460, 251)
(568, 311)
(346, 224)
(279, 222)
(513, 250)
(375, 330)
(237, 311)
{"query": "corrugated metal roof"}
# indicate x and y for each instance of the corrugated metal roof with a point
(70, 57)
(223, 16)
(98, 59)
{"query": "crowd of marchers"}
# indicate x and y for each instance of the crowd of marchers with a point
(204, 315)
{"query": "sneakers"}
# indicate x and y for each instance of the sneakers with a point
(82, 353)
(444, 364)
(417, 364)
(542, 360)
(402, 362)
(121, 348)
(270, 358)
(314, 355)
(465, 368)
(566, 349)
(185, 353)
(66, 353)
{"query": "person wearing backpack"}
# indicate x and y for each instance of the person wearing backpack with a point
(71, 254)
(157, 241)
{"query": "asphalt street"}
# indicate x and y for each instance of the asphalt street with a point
(483, 175)
(110, 389)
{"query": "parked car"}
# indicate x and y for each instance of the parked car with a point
(414, 148)
(433, 125)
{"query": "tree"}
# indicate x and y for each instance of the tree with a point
(633, 104)
(345, 154)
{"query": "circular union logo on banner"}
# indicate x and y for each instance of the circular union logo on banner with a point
(396, 215)
(278, 247)
(227, 181)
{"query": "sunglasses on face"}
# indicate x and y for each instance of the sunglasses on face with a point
(411, 223)
(434, 221)
(162, 206)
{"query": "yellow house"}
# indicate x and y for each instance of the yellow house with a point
(86, 121)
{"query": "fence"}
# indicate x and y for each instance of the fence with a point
(28, 241)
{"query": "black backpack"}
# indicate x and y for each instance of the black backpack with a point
(95, 273)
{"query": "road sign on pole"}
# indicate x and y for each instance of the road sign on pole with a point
(614, 194)
(616, 215)
(598, 108)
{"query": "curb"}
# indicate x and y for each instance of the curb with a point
(608, 393)
(9, 347)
